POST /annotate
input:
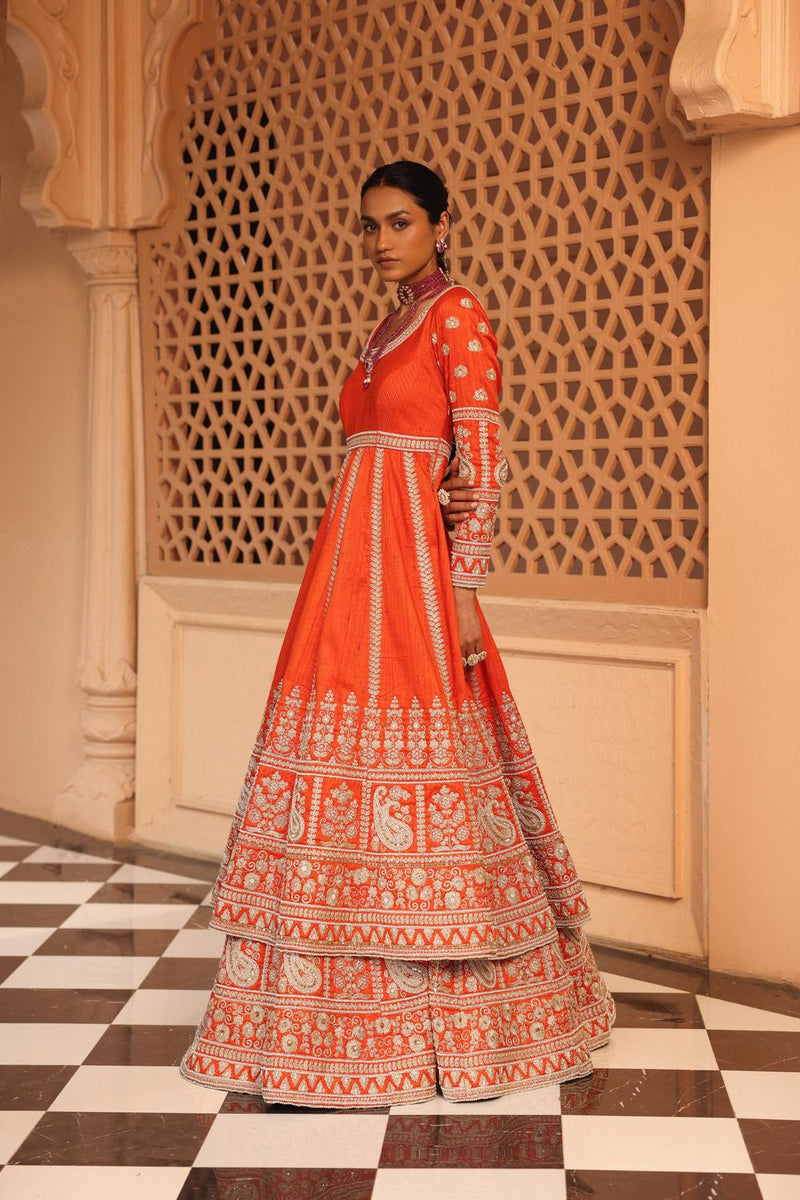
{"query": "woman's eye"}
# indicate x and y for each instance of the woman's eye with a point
(403, 223)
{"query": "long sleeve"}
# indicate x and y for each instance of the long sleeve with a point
(466, 351)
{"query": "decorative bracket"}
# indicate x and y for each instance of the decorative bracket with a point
(737, 64)
(96, 100)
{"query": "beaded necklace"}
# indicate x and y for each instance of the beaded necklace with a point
(407, 293)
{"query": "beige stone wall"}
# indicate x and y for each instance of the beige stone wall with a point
(754, 596)
(43, 352)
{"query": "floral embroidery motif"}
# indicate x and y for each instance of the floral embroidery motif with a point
(452, 323)
(475, 420)
(287, 1040)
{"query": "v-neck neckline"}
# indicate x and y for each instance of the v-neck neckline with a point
(414, 325)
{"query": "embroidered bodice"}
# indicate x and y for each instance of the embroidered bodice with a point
(438, 384)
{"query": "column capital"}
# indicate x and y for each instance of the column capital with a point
(96, 100)
(106, 256)
(737, 64)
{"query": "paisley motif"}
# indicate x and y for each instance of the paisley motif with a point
(484, 971)
(302, 973)
(409, 976)
(393, 831)
(498, 827)
(242, 968)
(531, 820)
(296, 825)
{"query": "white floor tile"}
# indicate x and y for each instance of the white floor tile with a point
(679, 1049)
(47, 1042)
(723, 1014)
(779, 1187)
(286, 1139)
(128, 916)
(15, 1126)
(426, 1183)
(702, 1144)
(528, 1102)
(58, 854)
(136, 1089)
(770, 1095)
(624, 983)
(81, 971)
(57, 892)
(5, 867)
(9, 841)
(196, 943)
(76, 1183)
(164, 1006)
(130, 873)
(22, 939)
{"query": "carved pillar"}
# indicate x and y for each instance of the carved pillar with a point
(100, 795)
(96, 100)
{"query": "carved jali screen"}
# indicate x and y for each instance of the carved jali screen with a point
(581, 219)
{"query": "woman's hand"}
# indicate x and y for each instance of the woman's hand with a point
(461, 502)
(469, 625)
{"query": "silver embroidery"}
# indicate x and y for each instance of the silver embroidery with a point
(393, 830)
(343, 518)
(484, 971)
(302, 974)
(398, 441)
(424, 307)
(481, 395)
(297, 824)
(491, 373)
(459, 372)
(409, 976)
(482, 327)
(241, 967)
(376, 577)
(498, 827)
(452, 323)
(466, 413)
(426, 575)
(474, 345)
(465, 302)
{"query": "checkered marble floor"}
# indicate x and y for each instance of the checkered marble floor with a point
(105, 968)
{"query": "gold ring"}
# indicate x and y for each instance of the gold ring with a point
(444, 496)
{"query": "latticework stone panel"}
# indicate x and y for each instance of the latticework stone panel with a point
(581, 218)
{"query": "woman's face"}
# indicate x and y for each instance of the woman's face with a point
(398, 236)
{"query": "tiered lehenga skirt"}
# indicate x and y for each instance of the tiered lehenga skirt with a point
(401, 912)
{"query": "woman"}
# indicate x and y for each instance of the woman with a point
(399, 906)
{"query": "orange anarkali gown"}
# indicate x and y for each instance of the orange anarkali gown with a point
(400, 907)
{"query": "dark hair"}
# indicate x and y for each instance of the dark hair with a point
(421, 183)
